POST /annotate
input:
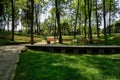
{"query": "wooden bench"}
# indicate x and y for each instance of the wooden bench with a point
(49, 40)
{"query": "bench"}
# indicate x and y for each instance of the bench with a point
(49, 40)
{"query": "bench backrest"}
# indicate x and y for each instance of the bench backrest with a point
(51, 39)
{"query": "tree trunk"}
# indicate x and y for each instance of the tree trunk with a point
(37, 23)
(13, 19)
(85, 19)
(104, 15)
(109, 27)
(32, 21)
(76, 20)
(57, 5)
(97, 19)
(55, 28)
(8, 24)
(80, 22)
(89, 14)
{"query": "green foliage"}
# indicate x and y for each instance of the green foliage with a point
(65, 28)
(113, 4)
(39, 65)
(116, 37)
(5, 41)
(68, 10)
(5, 33)
(116, 26)
(5, 37)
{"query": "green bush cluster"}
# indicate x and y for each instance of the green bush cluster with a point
(116, 37)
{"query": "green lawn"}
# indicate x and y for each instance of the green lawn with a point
(5, 37)
(113, 39)
(38, 65)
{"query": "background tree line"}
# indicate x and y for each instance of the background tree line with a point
(66, 17)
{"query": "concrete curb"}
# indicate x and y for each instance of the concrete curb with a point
(14, 65)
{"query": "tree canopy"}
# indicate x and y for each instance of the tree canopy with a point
(61, 16)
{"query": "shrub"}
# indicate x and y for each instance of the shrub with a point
(116, 37)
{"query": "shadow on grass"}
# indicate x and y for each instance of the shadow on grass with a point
(36, 65)
(108, 66)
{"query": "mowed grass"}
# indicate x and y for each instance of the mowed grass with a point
(26, 39)
(38, 65)
(5, 37)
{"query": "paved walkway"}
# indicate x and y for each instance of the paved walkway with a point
(9, 56)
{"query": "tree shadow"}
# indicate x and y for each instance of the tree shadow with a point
(45, 66)
(37, 65)
(108, 67)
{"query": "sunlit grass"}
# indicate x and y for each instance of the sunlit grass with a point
(38, 65)
(110, 40)
(25, 39)
(5, 37)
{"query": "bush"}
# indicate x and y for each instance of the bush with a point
(116, 37)
(5, 35)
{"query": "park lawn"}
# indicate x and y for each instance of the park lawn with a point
(113, 39)
(26, 39)
(5, 37)
(39, 65)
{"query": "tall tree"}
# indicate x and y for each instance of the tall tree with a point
(89, 16)
(57, 6)
(13, 19)
(1, 7)
(37, 18)
(110, 8)
(85, 24)
(1, 13)
(76, 19)
(96, 13)
(32, 21)
(7, 13)
(104, 18)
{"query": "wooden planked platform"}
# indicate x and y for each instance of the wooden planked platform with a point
(76, 49)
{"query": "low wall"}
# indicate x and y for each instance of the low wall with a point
(76, 49)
